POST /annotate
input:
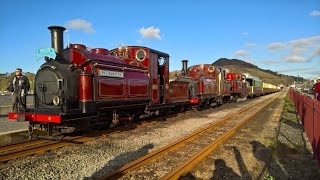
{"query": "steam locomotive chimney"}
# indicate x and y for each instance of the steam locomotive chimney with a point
(185, 67)
(57, 38)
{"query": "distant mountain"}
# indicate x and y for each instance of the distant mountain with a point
(240, 66)
(226, 62)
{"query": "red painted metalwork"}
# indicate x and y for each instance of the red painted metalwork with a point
(85, 87)
(308, 110)
(316, 129)
(200, 87)
(234, 86)
(194, 101)
(34, 117)
(179, 91)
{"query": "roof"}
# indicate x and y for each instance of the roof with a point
(151, 50)
(252, 77)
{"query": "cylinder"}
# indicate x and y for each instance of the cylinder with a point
(57, 38)
(185, 66)
(85, 87)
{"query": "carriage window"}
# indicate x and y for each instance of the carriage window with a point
(211, 69)
(114, 54)
(141, 55)
(161, 61)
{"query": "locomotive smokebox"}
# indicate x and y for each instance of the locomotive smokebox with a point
(185, 66)
(57, 38)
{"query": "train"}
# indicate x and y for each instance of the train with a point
(85, 88)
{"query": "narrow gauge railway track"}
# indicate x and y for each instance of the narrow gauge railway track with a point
(183, 154)
(27, 148)
(37, 147)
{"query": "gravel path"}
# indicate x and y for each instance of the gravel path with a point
(104, 155)
(7, 126)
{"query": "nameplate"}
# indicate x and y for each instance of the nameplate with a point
(109, 73)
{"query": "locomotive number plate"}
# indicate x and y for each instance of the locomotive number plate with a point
(109, 73)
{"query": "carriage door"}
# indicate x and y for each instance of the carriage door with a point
(161, 75)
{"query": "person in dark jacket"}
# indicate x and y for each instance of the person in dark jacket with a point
(19, 87)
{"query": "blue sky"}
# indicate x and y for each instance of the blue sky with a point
(280, 35)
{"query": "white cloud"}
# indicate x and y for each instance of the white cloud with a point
(305, 42)
(295, 58)
(295, 70)
(150, 33)
(298, 50)
(308, 47)
(270, 62)
(275, 46)
(315, 13)
(80, 24)
(241, 53)
(316, 54)
(250, 44)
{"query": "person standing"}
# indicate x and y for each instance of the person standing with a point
(19, 87)
(317, 89)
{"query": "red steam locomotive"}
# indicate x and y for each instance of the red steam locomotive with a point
(84, 87)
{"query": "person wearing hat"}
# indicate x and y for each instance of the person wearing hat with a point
(316, 89)
(19, 87)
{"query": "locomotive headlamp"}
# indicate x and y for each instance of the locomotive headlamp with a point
(56, 100)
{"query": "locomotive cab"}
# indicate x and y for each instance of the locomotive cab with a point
(156, 64)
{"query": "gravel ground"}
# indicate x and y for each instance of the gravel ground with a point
(104, 155)
(258, 151)
(168, 162)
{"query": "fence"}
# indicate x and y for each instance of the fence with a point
(308, 110)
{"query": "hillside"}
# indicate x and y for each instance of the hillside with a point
(268, 76)
(239, 66)
(228, 62)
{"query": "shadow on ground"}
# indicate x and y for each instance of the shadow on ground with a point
(120, 160)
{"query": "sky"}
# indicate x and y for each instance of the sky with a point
(279, 35)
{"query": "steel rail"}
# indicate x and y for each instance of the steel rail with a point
(164, 150)
(194, 160)
(41, 148)
(20, 146)
(27, 148)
